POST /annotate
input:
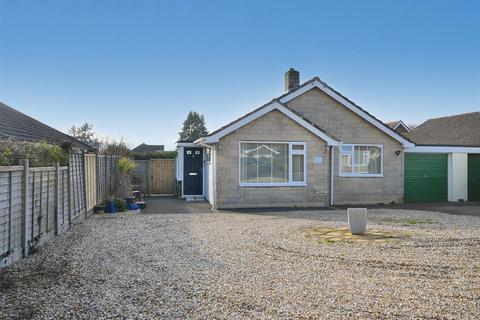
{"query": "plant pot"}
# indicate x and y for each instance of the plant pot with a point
(357, 220)
(111, 207)
(99, 209)
(130, 199)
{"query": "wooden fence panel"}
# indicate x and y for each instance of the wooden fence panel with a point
(107, 172)
(161, 174)
(140, 176)
(101, 179)
(38, 203)
(63, 199)
(91, 180)
(77, 185)
(11, 205)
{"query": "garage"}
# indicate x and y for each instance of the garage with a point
(474, 177)
(426, 177)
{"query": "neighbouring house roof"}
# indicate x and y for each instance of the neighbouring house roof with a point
(17, 125)
(398, 126)
(310, 84)
(149, 148)
(459, 130)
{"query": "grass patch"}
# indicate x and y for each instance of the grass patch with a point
(343, 235)
(407, 221)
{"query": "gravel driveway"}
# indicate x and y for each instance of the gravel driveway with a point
(237, 265)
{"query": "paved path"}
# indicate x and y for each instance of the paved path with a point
(174, 205)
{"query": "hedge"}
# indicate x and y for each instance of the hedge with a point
(40, 154)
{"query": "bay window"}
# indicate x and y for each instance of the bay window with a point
(272, 163)
(361, 160)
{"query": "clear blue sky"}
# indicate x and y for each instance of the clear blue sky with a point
(135, 68)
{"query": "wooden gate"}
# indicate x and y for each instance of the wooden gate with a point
(161, 173)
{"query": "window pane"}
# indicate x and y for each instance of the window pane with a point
(297, 167)
(297, 147)
(368, 160)
(344, 148)
(264, 162)
(346, 163)
(280, 163)
(248, 159)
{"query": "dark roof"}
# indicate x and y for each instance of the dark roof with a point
(458, 130)
(17, 125)
(309, 121)
(149, 148)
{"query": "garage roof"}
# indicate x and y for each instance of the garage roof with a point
(461, 130)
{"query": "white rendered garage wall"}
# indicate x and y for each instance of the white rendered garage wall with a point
(458, 176)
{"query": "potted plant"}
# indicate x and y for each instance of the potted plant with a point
(125, 168)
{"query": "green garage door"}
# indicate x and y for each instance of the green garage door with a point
(426, 177)
(474, 177)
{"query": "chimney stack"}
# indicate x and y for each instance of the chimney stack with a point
(292, 79)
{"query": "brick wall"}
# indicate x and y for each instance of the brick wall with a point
(348, 127)
(273, 126)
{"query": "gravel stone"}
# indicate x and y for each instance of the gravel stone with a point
(231, 265)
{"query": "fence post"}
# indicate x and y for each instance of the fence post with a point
(107, 193)
(57, 197)
(84, 162)
(97, 179)
(25, 164)
(69, 181)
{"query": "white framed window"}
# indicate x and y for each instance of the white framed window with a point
(272, 163)
(361, 160)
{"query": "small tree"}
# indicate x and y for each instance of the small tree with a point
(85, 134)
(115, 148)
(193, 127)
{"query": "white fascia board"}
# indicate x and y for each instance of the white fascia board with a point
(400, 123)
(186, 144)
(270, 107)
(441, 149)
(349, 105)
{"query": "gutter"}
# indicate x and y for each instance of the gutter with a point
(331, 175)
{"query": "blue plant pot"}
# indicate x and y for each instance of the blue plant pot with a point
(111, 207)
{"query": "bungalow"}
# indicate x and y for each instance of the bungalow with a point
(143, 148)
(309, 147)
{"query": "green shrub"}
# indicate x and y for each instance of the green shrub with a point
(115, 148)
(120, 204)
(126, 165)
(40, 154)
(155, 155)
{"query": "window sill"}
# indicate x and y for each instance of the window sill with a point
(301, 184)
(346, 175)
